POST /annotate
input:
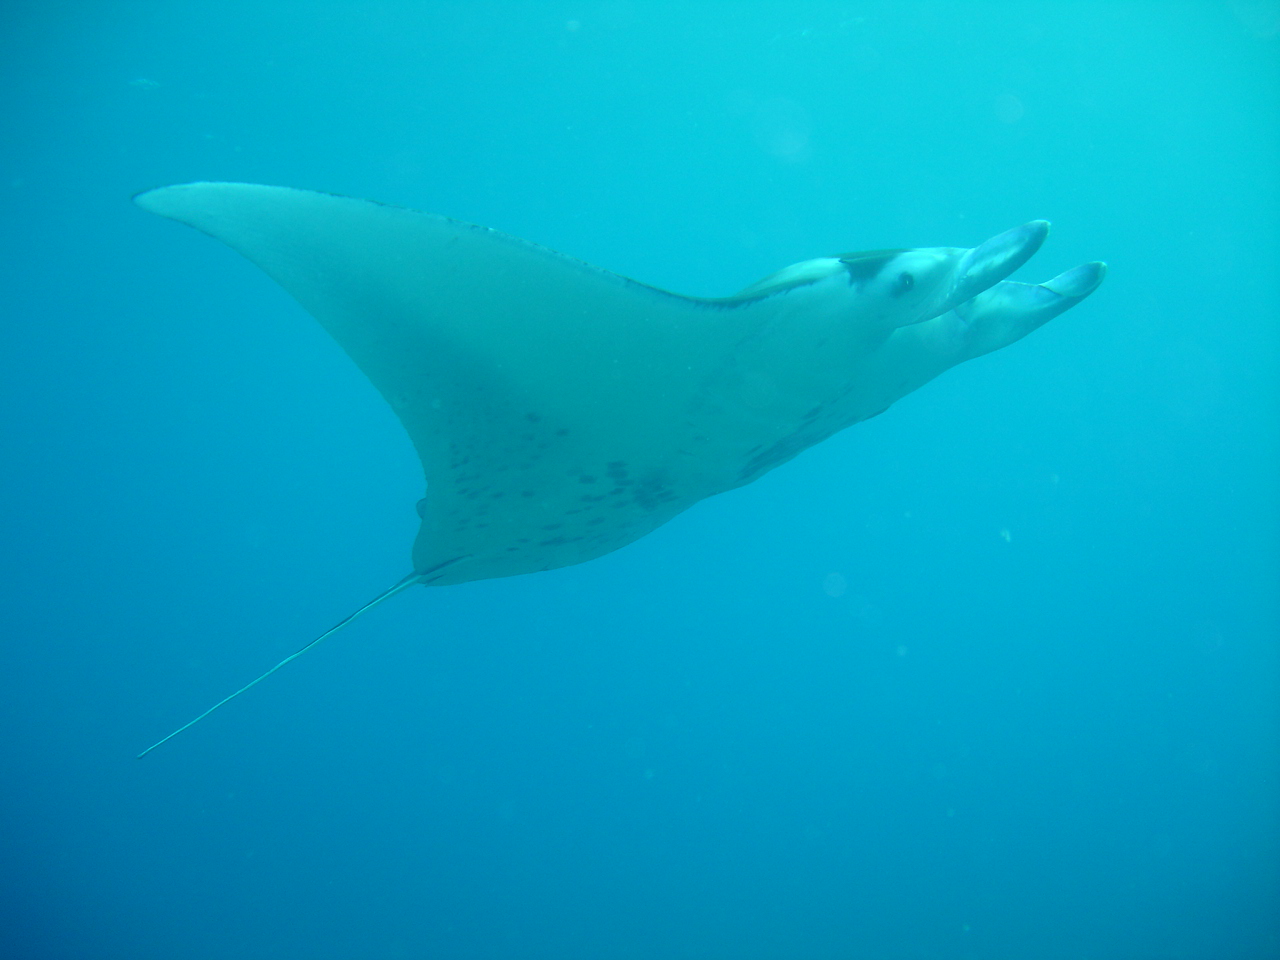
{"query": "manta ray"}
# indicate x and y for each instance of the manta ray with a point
(561, 411)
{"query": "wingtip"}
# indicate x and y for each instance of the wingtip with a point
(138, 197)
(167, 199)
(152, 200)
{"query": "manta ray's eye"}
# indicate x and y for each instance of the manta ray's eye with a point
(905, 282)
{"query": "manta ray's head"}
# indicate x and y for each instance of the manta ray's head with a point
(874, 292)
(904, 287)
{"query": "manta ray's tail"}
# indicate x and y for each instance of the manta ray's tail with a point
(404, 584)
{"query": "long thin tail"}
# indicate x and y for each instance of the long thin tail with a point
(404, 584)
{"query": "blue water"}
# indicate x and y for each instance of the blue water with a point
(994, 675)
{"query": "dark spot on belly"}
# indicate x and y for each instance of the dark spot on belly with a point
(780, 452)
(651, 492)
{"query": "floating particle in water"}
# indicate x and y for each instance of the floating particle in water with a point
(1009, 109)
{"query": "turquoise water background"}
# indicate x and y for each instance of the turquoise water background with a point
(994, 675)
